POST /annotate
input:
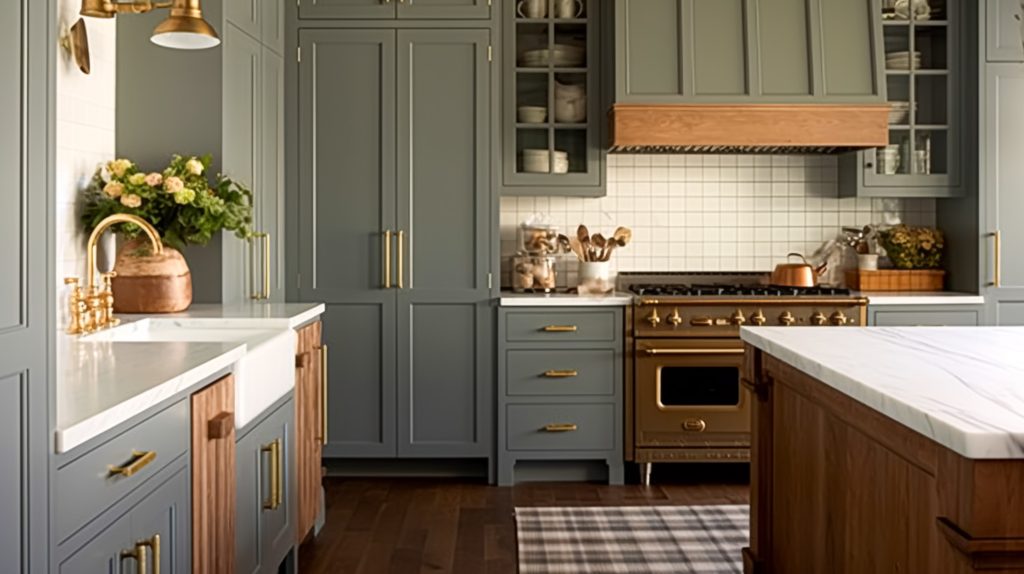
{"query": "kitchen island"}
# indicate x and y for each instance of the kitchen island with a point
(886, 450)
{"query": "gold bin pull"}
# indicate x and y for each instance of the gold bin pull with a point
(695, 425)
(561, 374)
(140, 461)
(561, 329)
(560, 427)
(154, 545)
(274, 450)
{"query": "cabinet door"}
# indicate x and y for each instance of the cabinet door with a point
(249, 499)
(1004, 35)
(161, 521)
(25, 439)
(271, 192)
(213, 477)
(247, 15)
(718, 62)
(648, 50)
(361, 9)
(1003, 192)
(347, 198)
(102, 554)
(272, 24)
(444, 208)
(784, 54)
(445, 9)
(850, 35)
(243, 89)
(309, 425)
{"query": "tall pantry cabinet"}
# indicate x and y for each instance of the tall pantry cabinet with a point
(395, 234)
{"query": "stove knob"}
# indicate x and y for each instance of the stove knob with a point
(738, 319)
(819, 318)
(787, 319)
(675, 319)
(758, 318)
(654, 319)
(838, 318)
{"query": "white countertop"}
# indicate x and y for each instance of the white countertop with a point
(922, 298)
(963, 387)
(101, 384)
(564, 300)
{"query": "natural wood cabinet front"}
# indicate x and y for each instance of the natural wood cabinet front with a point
(310, 424)
(213, 478)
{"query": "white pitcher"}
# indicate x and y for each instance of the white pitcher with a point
(570, 103)
(532, 8)
(568, 8)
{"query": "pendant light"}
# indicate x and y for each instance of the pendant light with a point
(184, 29)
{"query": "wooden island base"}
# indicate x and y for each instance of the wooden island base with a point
(837, 487)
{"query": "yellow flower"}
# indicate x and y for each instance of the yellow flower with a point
(184, 197)
(194, 166)
(137, 179)
(173, 184)
(154, 179)
(131, 200)
(118, 167)
(113, 189)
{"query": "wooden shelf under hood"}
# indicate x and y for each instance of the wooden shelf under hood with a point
(755, 127)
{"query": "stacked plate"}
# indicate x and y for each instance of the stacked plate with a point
(899, 113)
(901, 60)
(539, 161)
(561, 55)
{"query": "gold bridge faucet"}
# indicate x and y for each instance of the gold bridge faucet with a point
(94, 309)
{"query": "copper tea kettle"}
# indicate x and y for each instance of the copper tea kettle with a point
(797, 274)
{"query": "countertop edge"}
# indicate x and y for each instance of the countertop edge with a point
(562, 300)
(878, 299)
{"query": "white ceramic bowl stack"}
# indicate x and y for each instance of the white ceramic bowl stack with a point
(539, 161)
(533, 114)
(901, 60)
(560, 55)
(899, 113)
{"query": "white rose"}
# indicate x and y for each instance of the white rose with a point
(194, 166)
(173, 184)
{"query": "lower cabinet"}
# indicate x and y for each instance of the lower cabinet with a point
(149, 532)
(926, 315)
(213, 477)
(310, 425)
(560, 393)
(265, 524)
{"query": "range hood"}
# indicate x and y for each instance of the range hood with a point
(747, 128)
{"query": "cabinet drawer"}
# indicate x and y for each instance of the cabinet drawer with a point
(947, 318)
(86, 486)
(561, 326)
(593, 427)
(561, 372)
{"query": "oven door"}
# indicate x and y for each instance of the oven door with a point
(688, 393)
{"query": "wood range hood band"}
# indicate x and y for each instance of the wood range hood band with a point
(824, 128)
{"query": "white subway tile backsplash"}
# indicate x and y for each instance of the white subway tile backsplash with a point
(715, 212)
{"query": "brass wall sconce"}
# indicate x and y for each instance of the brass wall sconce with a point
(75, 41)
(184, 29)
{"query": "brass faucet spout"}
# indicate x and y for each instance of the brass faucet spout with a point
(147, 228)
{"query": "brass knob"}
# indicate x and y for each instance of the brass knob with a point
(702, 322)
(838, 318)
(695, 425)
(738, 319)
(819, 318)
(675, 319)
(758, 318)
(787, 318)
(653, 318)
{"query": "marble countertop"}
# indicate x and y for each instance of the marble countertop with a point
(963, 387)
(922, 298)
(509, 299)
(101, 384)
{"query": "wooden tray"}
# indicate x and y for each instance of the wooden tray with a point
(896, 280)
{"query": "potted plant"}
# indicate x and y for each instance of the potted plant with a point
(183, 205)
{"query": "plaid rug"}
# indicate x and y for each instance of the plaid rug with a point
(633, 540)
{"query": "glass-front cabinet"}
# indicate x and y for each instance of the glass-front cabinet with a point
(551, 98)
(922, 66)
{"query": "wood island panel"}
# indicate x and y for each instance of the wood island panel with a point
(839, 487)
(213, 478)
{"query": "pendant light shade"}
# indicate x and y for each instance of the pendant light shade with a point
(185, 28)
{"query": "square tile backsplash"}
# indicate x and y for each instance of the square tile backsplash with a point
(713, 212)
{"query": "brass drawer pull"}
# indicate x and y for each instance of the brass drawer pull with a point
(274, 451)
(695, 425)
(561, 329)
(653, 352)
(154, 545)
(141, 460)
(560, 373)
(387, 259)
(401, 259)
(997, 264)
(561, 427)
(140, 555)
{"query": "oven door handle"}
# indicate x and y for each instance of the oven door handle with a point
(652, 352)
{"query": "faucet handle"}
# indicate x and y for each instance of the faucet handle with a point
(108, 278)
(71, 281)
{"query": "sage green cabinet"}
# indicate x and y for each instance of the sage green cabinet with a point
(392, 9)
(1004, 30)
(925, 315)
(552, 101)
(396, 235)
(765, 51)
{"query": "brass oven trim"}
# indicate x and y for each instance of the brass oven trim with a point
(743, 403)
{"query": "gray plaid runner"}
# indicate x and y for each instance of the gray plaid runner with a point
(633, 540)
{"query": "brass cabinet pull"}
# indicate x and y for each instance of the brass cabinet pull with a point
(273, 450)
(154, 545)
(560, 427)
(561, 329)
(401, 259)
(264, 292)
(997, 265)
(695, 425)
(140, 555)
(140, 461)
(266, 267)
(561, 374)
(387, 259)
(653, 352)
(323, 394)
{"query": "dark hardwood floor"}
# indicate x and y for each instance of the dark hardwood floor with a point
(407, 526)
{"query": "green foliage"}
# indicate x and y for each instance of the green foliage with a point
(180, 202)
(913, 247)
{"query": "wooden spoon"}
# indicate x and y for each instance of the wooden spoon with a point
(622, 236)
(564, 244)
(577, 248)
(583, 234)
(600, 244)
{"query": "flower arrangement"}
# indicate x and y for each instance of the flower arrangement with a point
(913, 247)
(180, 202)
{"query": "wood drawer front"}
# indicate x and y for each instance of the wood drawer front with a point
(594, 427)
(561, 326)
(561, 373)
(86, 487)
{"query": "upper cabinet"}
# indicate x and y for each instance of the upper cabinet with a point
(396, 9)
(552, 112)
(923, 63)
(1004, 31)
(757, 51)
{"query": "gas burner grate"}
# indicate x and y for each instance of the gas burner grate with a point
(736, 291)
